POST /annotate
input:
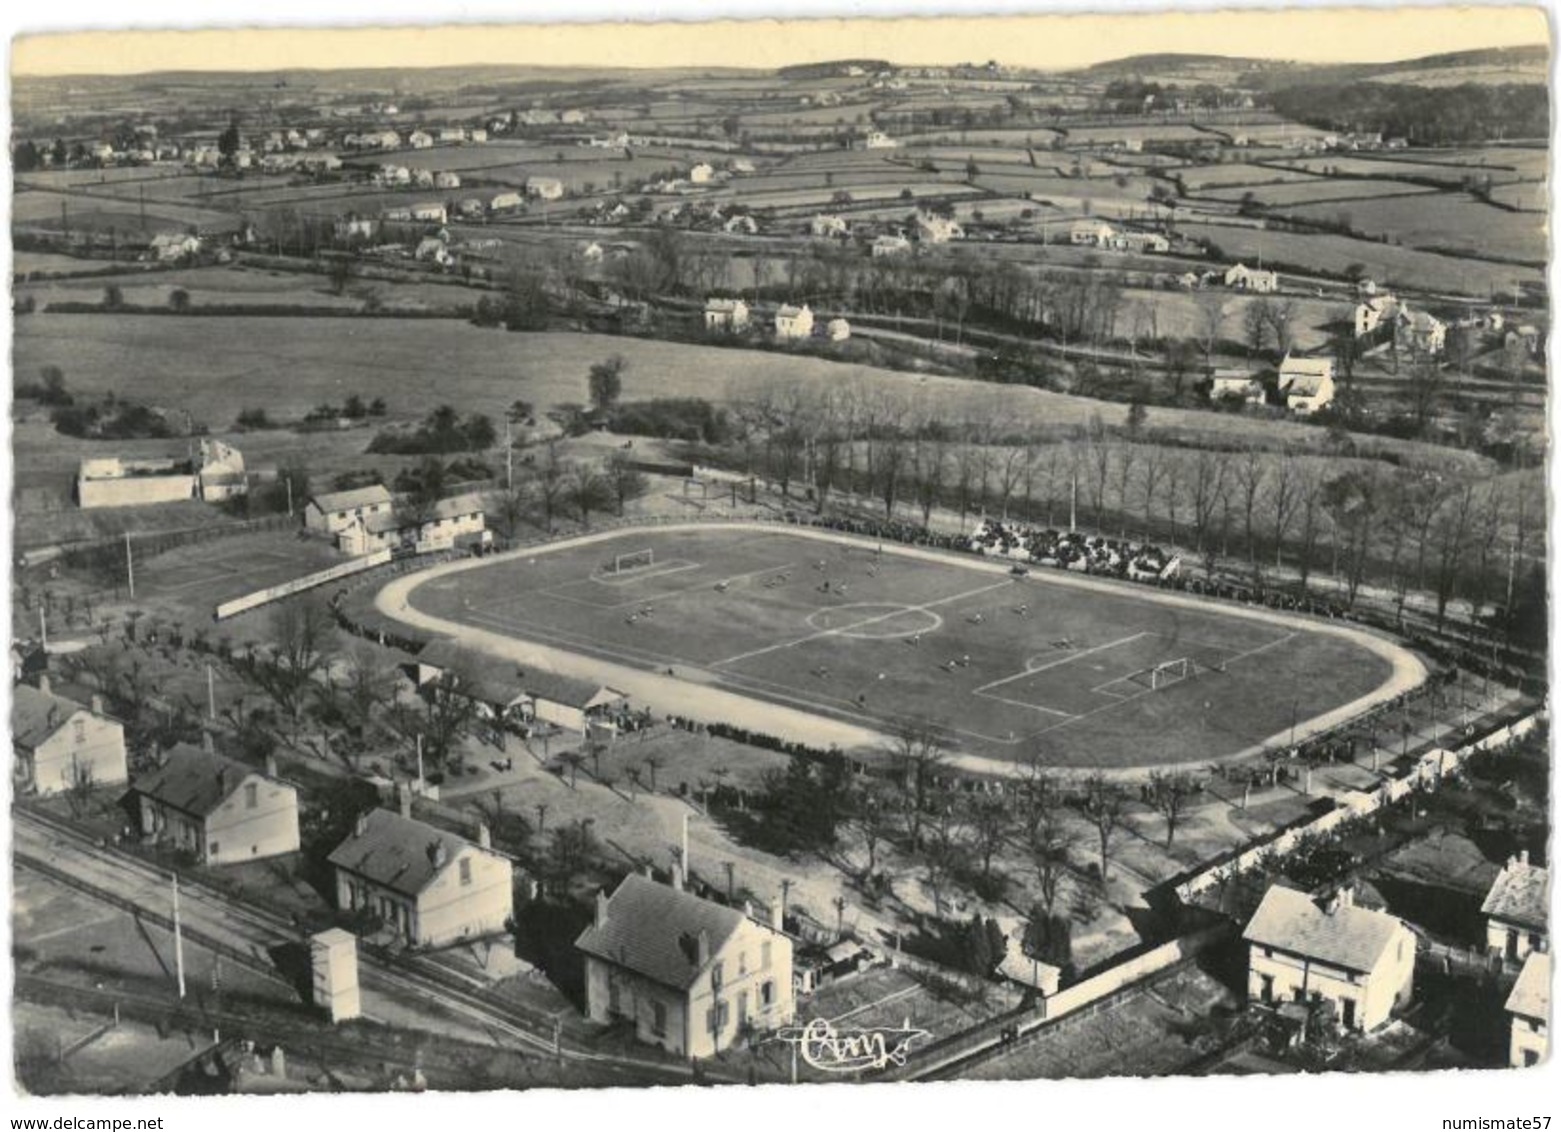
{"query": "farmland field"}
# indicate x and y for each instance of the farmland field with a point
(1319, 190)
(840, 630)
(1213, 176)
(1443, 220)
(290, 365)
(1403, 267)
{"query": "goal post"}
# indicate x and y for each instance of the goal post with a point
(633, 560)
(1170, 672)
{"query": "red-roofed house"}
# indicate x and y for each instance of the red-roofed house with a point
(694, 977)
(1360, 961)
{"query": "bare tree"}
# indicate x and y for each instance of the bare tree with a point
(1103, 804)
(918, 753)
(1169, 794)
(1250, 473)
(303, 636)
(585, 489)
(989, 822)
(1211, 321)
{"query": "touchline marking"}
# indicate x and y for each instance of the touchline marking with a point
(1021, 704)
(663, 595)
(854, 625)
(1069, 659)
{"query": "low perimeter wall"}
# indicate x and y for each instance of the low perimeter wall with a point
(1427, 771)
(298, 585)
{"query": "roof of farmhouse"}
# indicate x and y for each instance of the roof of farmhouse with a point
(352, 500)
(1349, 936)
(1520, 894)
(654, 929)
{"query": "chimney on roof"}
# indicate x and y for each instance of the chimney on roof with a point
(97, 703)
(748, 909)
(702, 948)
(43, 682)
(778, 913)
(206, 743)
(601, 907)
(438, 854)
(271, 768)
(677, 877)
(1523, 857)
(484, 836)
(361, 825)
(404, 797)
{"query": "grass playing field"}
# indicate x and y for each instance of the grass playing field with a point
(1006, 664)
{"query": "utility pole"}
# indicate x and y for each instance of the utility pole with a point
(509, 458)
(288, 480)
(130, 570)
(178, 937)
(43, 626)
(686, 872)
(211, 693)
(1073, 505)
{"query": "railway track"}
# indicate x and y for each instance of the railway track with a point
(260, 930)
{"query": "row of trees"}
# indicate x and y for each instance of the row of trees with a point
(961, 840)
(1447, 529)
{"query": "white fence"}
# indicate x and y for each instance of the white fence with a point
(1427, 771)
(298, 585)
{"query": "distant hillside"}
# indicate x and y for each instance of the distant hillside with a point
(1486, 66)
(1528, 64)
(834, 69)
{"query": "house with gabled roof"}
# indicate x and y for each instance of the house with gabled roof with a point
(726, 314)
(219, 809)
(58, 743)
(428, 886)
(1528, 1038)
(459, 520)
(1517, 910)
(337, 510)
(689, 975)
(1358, 961)
(1306, 384)
(793, 322)
(1244, 278)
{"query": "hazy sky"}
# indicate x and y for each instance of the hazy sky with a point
(1321, 34)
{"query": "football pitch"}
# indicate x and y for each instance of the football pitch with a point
(1088, 673)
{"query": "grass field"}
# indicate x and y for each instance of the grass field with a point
(1007, 665)
(1442, 220)
(1319, 190)
(1399, 266)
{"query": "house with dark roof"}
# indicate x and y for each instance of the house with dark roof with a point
(1529, 1007)
(689, 975)
(59, 743)
(1517, 910)
(1359, 961)
(428, 886)
(219, 809)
